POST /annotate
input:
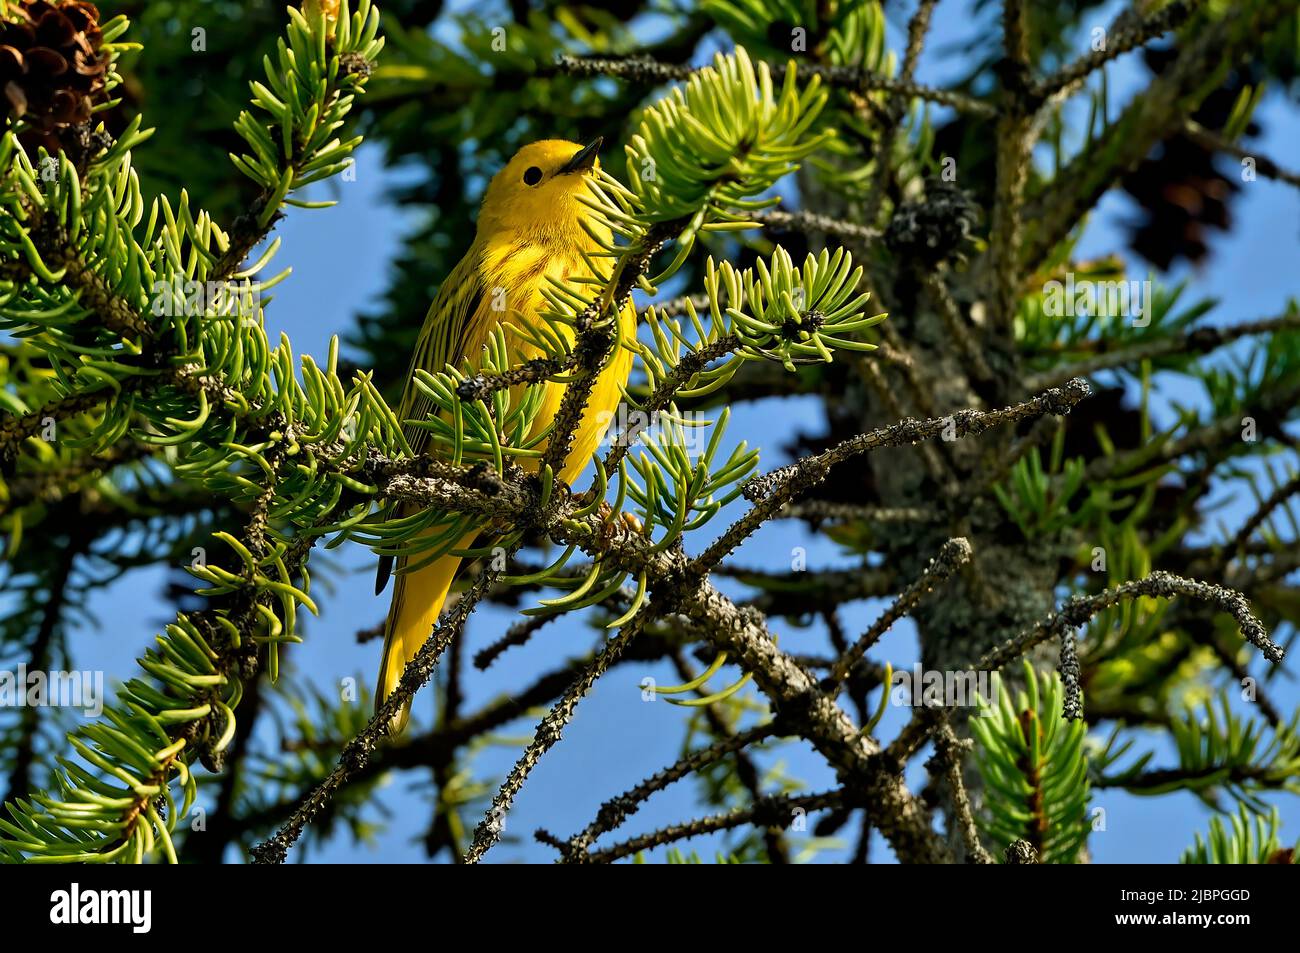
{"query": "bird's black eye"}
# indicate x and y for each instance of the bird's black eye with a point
(532, 175)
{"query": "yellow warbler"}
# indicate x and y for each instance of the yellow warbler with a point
(530, 230)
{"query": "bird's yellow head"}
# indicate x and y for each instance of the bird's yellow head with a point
(535, 197)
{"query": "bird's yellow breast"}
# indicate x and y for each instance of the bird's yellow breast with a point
(514, 273)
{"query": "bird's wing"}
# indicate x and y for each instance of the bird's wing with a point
(447, 337)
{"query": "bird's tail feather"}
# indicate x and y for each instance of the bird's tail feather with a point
(418, 598)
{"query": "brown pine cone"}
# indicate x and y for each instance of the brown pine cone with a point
(52, 70)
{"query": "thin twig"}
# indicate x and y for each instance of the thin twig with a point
(357, 751)
(1196, 341)
(802, 221)
(1257, 519)
(548, 734)
(1153, 26)
(645, 70)
(1077, 611)
(949, 752)
(917, 27)
(1014, 146)
(1263, 164)
(954, 554)
(772, 491)
(818, 510)
(1272, 404)
(775, 809)
(615, 812)
(960, 330)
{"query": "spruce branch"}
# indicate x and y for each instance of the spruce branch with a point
(1218, 750)
(15, 428)
(359, 749)
(1271, 408)
(121, 790)
(968, 344)
(1251, 838)
(775, 810)
(452, 495)
(1163, 780)
(1034, 766)
(1262, 512)
(615, 811)
(852, 79)
(1200, 340)
(804, 221)
(1118, 42)
(1152, 116)
(771, 492)
(818, 510)
(1078, 610)
(952, 556)
(949, 754)
(1014, 149)
(917, 27)
(547, 735)
(105, 307)
(201, 661)
(1218, 143)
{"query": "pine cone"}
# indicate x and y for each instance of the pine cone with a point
(52, 70)
(1020, 852)
(933, 228)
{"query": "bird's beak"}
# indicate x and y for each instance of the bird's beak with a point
(584, 159)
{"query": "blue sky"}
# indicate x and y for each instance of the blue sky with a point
(617, 739)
